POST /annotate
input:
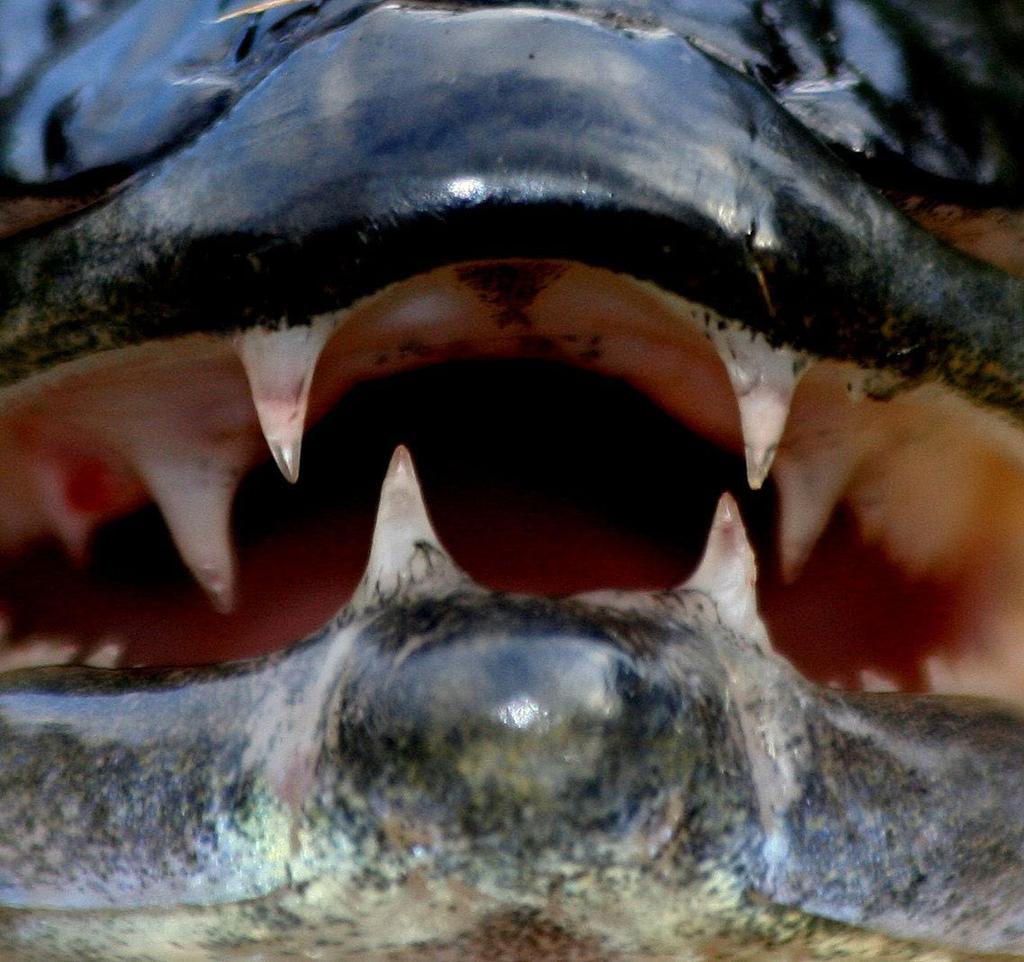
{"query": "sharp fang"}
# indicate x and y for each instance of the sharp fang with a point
(195, 498)
(74, 528)
(728, 573)
(763, 417)
(279, 364)
(107, 655)
(764, 379)
(874, 681)
(809, 490)
(406, 551)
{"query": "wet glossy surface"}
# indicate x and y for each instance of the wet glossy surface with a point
(932, 86)
(341, 173)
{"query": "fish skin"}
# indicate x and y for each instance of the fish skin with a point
(785, 236)
(915, 110)
(139, 267)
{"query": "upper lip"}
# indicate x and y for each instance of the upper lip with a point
(324, 184)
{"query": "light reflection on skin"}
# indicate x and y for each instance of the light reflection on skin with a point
(467, 188)
(522, 713)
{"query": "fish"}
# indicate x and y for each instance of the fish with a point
(685, 623)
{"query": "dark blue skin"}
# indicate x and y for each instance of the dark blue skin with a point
(785, 235)
(285, 164)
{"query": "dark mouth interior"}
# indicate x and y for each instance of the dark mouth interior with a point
(541, 478)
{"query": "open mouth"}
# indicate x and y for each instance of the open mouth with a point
(619, 329)
(574, 429)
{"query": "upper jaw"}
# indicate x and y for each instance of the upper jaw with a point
(337, 174)
(329, 202)
(330, 180)
(329, 198)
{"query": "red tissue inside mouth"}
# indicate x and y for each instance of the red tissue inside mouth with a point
(540, 478)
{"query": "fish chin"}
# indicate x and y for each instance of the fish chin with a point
(709, 644)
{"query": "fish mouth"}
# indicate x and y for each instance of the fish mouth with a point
(232, 289)
(582, 365)
(605, 418)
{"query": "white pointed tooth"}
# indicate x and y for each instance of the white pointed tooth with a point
(195, 496)
(106, 655)
(728, 573)
(406, 550)
(37, 653)
(74, 528)
(809, 489)
(279, 364)
(764, 379)
(875, 681)
(763, 414)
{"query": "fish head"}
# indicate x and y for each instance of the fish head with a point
(595, 264)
